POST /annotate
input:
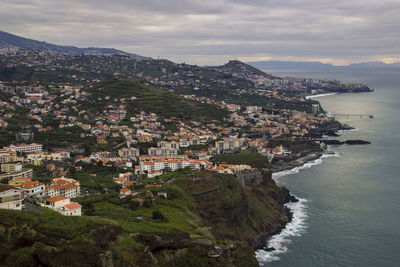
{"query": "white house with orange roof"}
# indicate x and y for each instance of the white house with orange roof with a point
(124, 192)
(64, 206)
(154, 174)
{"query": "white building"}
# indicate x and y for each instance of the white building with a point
(33, 188)
(166, 144)
(64, 206)
(63, 186)
(129, 152)
(31, 148)
(152, 166)
(161, 151)
(229, 144)
(11, 197)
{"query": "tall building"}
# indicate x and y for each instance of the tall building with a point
(315, 108)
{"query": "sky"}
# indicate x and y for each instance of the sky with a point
(210, 32)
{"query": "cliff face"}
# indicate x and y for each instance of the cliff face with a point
(247, 213)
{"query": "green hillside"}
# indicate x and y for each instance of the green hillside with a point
(149, 99)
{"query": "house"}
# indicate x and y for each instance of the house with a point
(138, 200)
(127, 183)
(124, 192)
(64, 206)
(230, 168)
(154, 174)
(11, 197)
(149, 194)
(3, 124)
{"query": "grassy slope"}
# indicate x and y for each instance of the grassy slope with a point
(152, 99)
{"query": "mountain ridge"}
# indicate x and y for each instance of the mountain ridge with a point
(8, 39)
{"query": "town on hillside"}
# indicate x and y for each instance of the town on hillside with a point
(82, 126)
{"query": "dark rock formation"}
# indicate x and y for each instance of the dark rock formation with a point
(356, 142)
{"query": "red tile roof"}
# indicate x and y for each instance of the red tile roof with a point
(56, 198)
(73, 206)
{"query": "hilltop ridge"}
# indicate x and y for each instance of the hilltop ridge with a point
(8, 39)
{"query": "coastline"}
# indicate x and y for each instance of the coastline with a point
(297, 162)
(275, 243)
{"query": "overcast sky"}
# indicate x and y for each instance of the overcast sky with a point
(209, 32)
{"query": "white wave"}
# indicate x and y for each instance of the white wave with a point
(306, 165)
(320, 95)
(352, 130)
(298, 225)
(280, 242)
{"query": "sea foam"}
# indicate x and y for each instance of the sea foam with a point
(320, 95)
(280, 242)
(306, 165)
(298, 225)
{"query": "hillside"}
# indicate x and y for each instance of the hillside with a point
(149, 99)
(240, 69)
(7, 39)
(178, 231)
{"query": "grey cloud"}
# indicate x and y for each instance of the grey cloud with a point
(216, 30)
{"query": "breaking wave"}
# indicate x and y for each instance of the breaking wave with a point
(279, 243)
(306, 165)
(320, 95)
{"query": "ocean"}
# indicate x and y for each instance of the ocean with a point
(349, 208)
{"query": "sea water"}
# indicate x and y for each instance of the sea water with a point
(349, 208)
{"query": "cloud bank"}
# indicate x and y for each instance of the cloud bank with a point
(212, 32)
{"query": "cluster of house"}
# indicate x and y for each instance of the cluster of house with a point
(55, 196)
(13, 158)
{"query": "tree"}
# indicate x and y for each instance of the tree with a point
(157, 215)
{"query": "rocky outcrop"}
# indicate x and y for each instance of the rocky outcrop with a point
(250, 208)
(347, 142)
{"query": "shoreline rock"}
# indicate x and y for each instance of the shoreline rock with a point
(347, 142)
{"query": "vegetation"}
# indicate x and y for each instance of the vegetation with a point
(151, 99)
(254, 159)
(96, 178)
